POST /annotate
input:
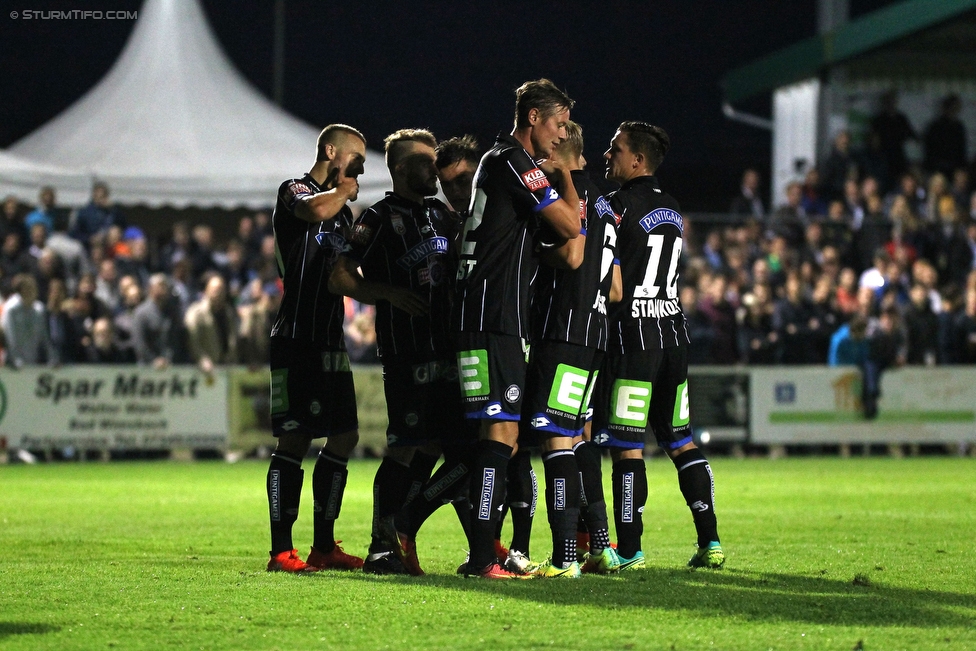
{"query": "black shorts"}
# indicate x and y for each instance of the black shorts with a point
(312, 390)
(558, 387)
(423, 403)
(643, 392)
(491, 374)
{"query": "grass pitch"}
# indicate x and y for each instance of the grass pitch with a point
(872, 554)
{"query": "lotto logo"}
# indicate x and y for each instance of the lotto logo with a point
(493, 409)
(535, 179)
(539, 422)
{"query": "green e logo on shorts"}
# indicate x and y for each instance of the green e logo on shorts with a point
(630, 403)
(473, 372)
(279, 391)
(682, 413)
(568, 389)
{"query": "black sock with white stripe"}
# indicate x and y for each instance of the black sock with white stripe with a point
(443, 487)
(562, 504)
(284, 484)
(488, 475)
(698, 487)
(328, 485)
(629, 498)
(390, 486)
(523, 492)
(592, 502)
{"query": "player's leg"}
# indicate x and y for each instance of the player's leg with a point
(622, 407)
(521, 498)
(671, 422)
(599, 556)
(328, 488)
(295, 374)
(491, 371)
(284, 489)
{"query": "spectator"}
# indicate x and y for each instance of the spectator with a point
(103, 348)
(748, 202)
(154, 329)
(45, 211)
(179, 247)
(24, 323)
(964, 331)
(236, 272)
(66, 343)
(839, 167)
(793, 319)
(202, 252)
(790, 219)
(853, 204)
(713, 250)
(699, 327)
(875, 232)
(849, 345)
(921, 328)
(123, 323)
(107, 284)
(826, 318)
(949, 247)
(212, 327)
(758, 340)
(886, 348)
(720, 313)
(846, 296)
(10, 217)
(960, 189)
(893, 130)
(96, 217)
(259, 306)
(945, 139)
(813, 202)
(837, 231)
(133, 258)
(360, 333)
(938, 187)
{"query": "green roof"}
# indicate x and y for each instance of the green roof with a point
(912, 37)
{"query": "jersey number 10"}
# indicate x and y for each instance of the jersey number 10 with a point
(650, 288)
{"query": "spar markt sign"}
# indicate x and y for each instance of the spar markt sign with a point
(113, 407)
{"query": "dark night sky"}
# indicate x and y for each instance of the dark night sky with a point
(386, 65)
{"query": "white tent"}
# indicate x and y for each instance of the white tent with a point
(23, 179)
(174, 123)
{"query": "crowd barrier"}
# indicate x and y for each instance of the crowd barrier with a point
(90, 407)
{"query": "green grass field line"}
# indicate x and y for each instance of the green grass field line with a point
(884, 416)
(872, 553)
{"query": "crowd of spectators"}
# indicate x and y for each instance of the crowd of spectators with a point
(871, 258)
(88, 287)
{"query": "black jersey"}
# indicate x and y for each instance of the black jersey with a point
(649, 232)
(405, 244)
(306, 253)
(497, 261)
(570, 305)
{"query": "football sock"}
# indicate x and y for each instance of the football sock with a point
(593, 502)
(284, 486)
(629, 498)
(328, 485)
(462, 507)
(504, 512)
(421, 466)
(562, 504)
(390, 486)
(523, 493)
(698, 487)
(489, 470)
(442, 487)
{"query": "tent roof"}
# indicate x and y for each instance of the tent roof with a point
(174, 123)
(912, 39)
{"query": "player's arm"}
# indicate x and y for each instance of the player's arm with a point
(616, 286)
(346, 279)
(567, 255)
(563, 213)
(323, 206)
